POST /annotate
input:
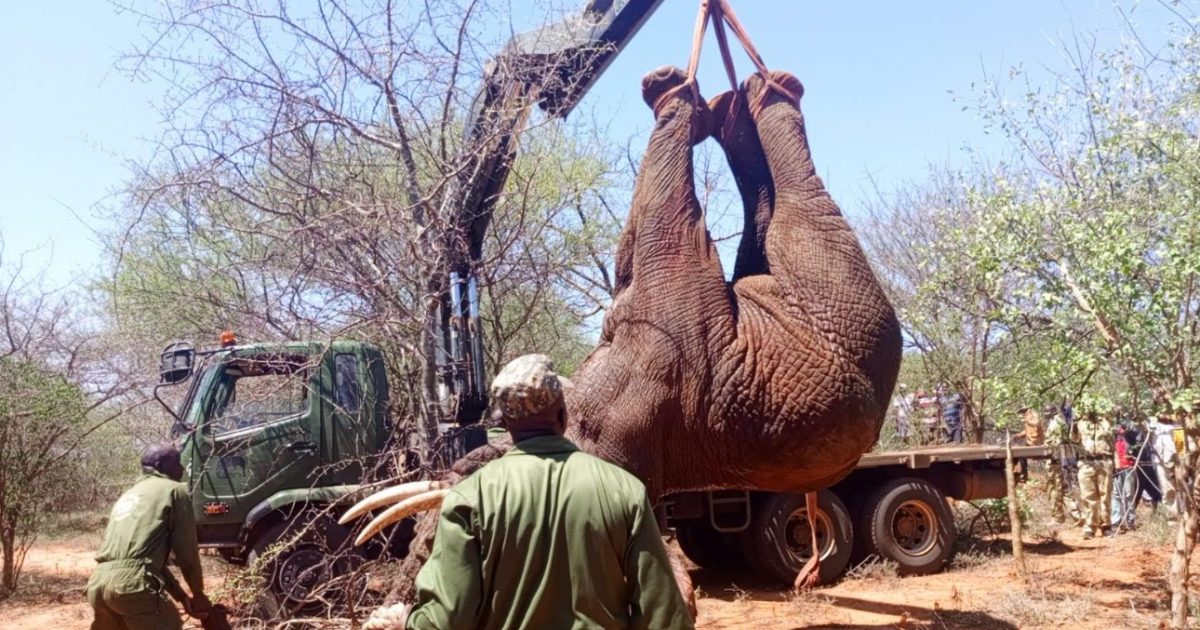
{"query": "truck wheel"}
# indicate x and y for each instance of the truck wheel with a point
(782, 539)
(709, 548)
(908, 521)
(314, 551)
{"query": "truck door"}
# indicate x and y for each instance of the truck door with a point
(355, 437)
(261, 434)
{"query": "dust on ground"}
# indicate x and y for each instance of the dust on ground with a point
(1100, 583)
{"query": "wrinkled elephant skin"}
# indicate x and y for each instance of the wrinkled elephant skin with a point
(779, 382)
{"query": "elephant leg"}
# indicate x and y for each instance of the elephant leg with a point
(671, 248)
(734, 130)
(683, 579)
(813, 253)
(648, 384)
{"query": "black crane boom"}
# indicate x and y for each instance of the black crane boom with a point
(553, 68)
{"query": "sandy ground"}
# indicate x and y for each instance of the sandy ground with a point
(1104, 583)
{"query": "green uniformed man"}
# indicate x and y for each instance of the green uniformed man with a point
(1056, 437)
(546, 536)
(128, 590)
(1095, 433)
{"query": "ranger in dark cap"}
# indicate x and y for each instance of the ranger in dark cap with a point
(545, 536)
(151, 520)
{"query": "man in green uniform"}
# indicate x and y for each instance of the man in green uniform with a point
(152, 519)
(546, 536)
(1057, 439)
(1095, 432)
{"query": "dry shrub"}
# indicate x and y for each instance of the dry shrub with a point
(874, 568)
(1037, 607)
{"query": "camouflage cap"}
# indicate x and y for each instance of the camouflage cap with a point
(527, 386)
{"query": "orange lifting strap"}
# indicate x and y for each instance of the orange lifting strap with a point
(720, 13)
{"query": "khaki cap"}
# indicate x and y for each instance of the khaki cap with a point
(528, 385)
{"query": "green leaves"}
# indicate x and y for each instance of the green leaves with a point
(1081, 256)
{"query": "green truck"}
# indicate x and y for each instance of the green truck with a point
(277, 438)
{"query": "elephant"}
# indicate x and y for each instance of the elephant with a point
(776, 380)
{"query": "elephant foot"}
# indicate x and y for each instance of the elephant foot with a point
(667, 86)
(777, 86)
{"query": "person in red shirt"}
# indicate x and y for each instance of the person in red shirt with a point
(1125, 479)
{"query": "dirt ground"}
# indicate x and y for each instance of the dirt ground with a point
(1102, 583)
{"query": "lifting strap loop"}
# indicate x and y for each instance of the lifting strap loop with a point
(720, 13)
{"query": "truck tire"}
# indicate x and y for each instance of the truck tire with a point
(782, 541)
(908, 521)
(291, 573)
(709, 548)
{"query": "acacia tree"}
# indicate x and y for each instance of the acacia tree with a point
(1104, 226)
(1091, 234)
(59, 386)
(965, 319)
(298, 188)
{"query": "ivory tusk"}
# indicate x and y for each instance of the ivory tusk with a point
(388, 496)
(412, 505)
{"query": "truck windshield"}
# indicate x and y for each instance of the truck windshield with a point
(258, 390)
(190, 410)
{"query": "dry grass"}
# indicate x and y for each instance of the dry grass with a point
(72, 525)
(875, 569)
(1037, 606)
(739, 594)
(1155, 529)
(815, 602)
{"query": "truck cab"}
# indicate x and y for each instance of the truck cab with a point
(267, 425)
(274, 438)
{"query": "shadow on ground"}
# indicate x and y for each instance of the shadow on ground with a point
(745, 587)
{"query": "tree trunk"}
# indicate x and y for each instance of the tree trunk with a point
(8, 572)
(1014, 512)
(1185, 539)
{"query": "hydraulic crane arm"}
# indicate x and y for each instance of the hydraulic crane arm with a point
(552, 67)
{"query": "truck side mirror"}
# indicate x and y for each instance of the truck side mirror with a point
(176, 363)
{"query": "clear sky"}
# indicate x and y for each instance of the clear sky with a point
(877, 76)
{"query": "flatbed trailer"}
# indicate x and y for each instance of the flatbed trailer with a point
(893, 505)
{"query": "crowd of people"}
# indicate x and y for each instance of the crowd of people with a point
(1104, 463)
(928, 417)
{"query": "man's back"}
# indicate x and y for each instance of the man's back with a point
(563, 540)
(149, 521)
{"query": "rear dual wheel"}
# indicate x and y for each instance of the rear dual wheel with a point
(908, 522)
(782, 539)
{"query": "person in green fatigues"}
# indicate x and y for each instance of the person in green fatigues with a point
(1095, 435)
(128, 590)
(546, 536)
(1057, 438)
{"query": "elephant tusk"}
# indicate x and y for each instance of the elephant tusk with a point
(412, 505)
(389, 496)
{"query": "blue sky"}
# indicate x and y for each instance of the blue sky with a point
(877, 76)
